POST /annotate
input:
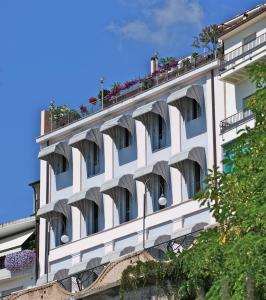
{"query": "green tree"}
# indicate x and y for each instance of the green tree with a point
(208, 38)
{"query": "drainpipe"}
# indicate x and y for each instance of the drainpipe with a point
(37, 226)
(213, 122)
(46, 222)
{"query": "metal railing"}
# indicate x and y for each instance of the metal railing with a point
(235, 120)
(230, 59)
(81, 280)
(184, 66)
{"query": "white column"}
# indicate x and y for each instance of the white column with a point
(109, 172)
(141, 162)
(76, 158)
(42, 227)
(76, 258)
(108, 247)
(141, 144)
(177, 224)
(176, 177)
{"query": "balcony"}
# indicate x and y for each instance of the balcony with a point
(232, 64)
(147, 83)
(235, 120)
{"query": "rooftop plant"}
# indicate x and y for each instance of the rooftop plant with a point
(20, 261)
(208, 38)
(57, 112)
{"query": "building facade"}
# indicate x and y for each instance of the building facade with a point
(123, 178)
(17, 256)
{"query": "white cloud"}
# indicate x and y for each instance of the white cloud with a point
(135, 30)
(138, 31)
(159, 20)
(176, 11)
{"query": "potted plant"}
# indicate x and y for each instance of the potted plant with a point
(19, 261)
(61, 115)
(116, 88)
(105, 93)
(194, 57)
(92, 100)
(83, 110)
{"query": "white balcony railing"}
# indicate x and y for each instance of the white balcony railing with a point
(231, 59)
(235, 120)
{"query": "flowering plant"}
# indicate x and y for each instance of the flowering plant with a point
(92, 100)
(62, 112)
(19, 261)
(83, 110)
(117, 87)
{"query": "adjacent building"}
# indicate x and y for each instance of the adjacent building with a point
(17, 256)
(122, 179)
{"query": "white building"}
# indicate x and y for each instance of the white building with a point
(14, 238)
(163, 135)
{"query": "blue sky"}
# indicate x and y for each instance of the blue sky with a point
(58, 50)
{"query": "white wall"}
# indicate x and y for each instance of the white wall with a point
(180, 136)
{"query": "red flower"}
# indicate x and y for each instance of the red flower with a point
(83, 108)
(92, 100)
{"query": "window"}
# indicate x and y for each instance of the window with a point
(245, 102)
(228, 161)
(249, 38)
(157, 187)
(162, 190)
(193, 178)
(158, 135)
(193, 110)
(91, 217)
(59, 229)
(95, 212)
(2, 262)
(124, 209)
(249, 42)
(61, 164)
(124, 138)
(92, 159)
(127, 206)
(197, 183)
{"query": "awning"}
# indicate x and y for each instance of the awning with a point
(51, 152)
(160, 168)
(92, 194)
(196, 154)
(125, 181)
(61, 274)
(53, 209)
(157, 107)
(14, 242)
(91, 135)
(194, 91)
(86, 265)
(124, 121)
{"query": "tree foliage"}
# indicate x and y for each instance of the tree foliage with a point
(208, 38)
(227, 261)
